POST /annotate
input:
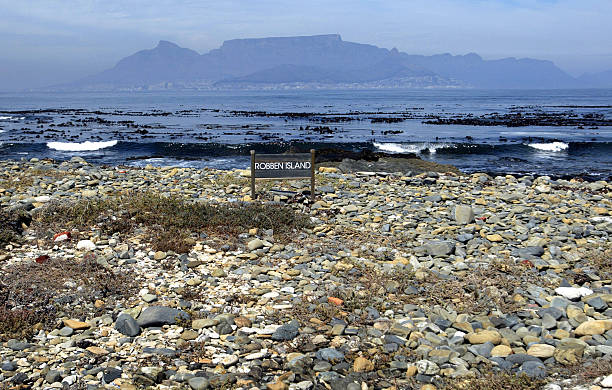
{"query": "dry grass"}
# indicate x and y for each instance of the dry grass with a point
(481, 290)
(170, 221)
(35, 293)
(21, 323)
(11, 226)
(600, 258)
(25, 179)
(585, 371)
(496, 380)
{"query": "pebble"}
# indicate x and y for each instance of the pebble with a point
(351, 328)
(127, 325)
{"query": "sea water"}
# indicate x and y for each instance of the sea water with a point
(218, 128)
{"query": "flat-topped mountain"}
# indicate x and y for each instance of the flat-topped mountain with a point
(320, 61)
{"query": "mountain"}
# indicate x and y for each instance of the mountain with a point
(165, 63)
(597, 80)
(321, 61)
(503, 73)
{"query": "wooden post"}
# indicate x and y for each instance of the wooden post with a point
(312, 175)
(253, 196)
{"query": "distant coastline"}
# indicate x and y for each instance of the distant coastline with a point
(321, 62)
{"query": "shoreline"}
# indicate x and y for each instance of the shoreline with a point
(407, 164)
(402, 280)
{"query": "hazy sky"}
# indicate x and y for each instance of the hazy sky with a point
(50, 41)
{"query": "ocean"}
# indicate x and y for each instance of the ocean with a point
(561, 133)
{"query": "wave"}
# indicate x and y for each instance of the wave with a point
(424, 147)
(550, 147)
(86, 146)
(5, 118)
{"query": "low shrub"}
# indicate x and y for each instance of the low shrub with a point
(20, 323)
(37, 292)
(11, 225)
(170, 220)
(496, 380)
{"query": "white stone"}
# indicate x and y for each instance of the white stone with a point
(573, 292)
(271, 294)
(304, 385)
(607, 381)
(42, 199)
(86, 245)
(257, 355)
(427, 367)
(62, 237)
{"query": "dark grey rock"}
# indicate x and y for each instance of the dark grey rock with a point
(160, 315)
(8, 366)
(528, 252)
(597, 303)
(53, 376)
(390, 347)
(389, 338)
(482, 349)
(19, 378)
(463, 238)
(327, 189)
(553, 312)
(432, 198)
(286, 332)
(322, 366)
(439, 248)
(224, 328)
(520, 358)
(502, 364)
(110, 374)
(127, 325)
(17, 345)
(372, 313)
(330, 354)
(533, 369)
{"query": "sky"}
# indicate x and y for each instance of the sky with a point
(45, 42)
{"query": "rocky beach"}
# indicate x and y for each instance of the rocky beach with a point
(390, 280)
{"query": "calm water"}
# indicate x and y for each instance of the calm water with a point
(217, 129)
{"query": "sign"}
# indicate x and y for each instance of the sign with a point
(283, 166)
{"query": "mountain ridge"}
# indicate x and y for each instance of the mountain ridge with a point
(321, 60)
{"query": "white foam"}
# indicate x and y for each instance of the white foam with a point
(550, 147)
(5, 118)
(411, 148)
(86, 146)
